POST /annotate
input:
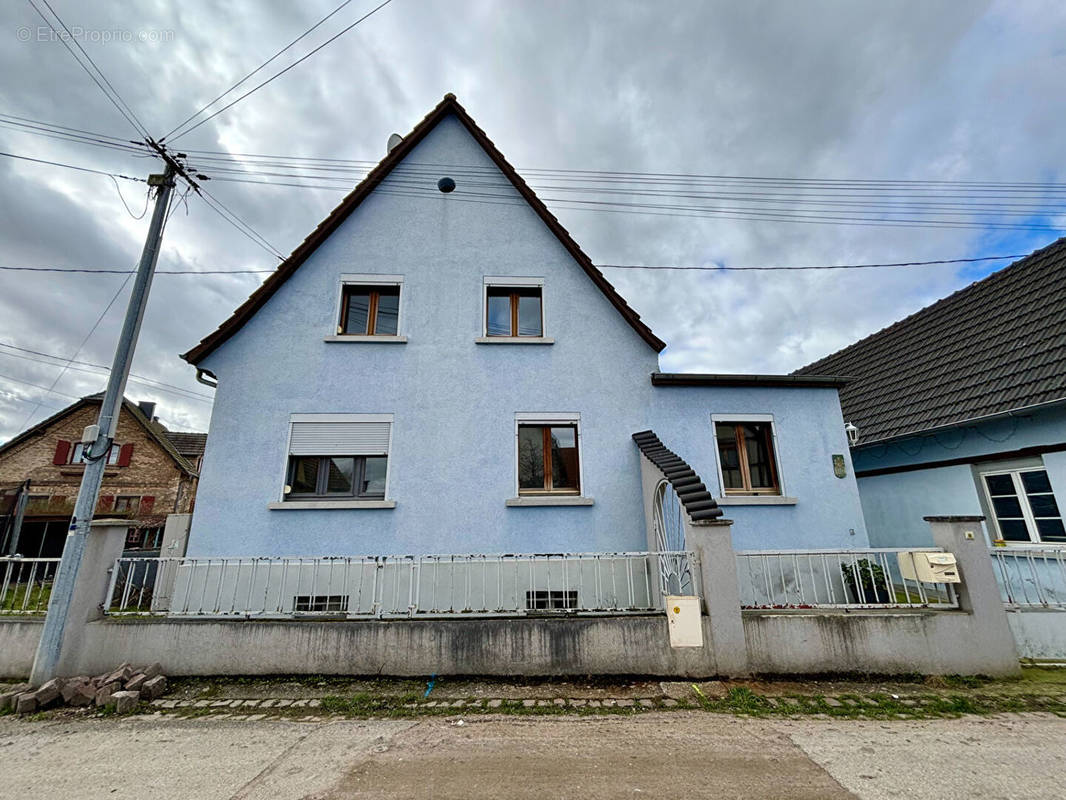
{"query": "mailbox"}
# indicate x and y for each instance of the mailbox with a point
(929, 567)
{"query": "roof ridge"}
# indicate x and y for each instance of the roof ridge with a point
(985, 281)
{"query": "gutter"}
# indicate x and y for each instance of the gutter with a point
(764, 381)
(200, 373)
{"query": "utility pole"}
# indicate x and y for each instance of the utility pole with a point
(99, 438)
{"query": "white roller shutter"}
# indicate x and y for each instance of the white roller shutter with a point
(339, 439)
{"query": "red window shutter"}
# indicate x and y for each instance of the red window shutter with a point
(147, 501)
(124, 454)
(62, 452)
(106, 502)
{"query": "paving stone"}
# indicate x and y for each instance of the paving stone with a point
(542, 703)
(103, 695)
(167, 703)
(154, 687)
(458, 704)
(610, 702)
(135, 683)
(299, 703)
(644, 701)
(152, 670)
(214, 703)
(529, 703)
(495, 703)
(25, 703)
(910, 703)
(430, 704)
(475, 704)
(256, 717)
(80, 694)
(221, 716)
(184, 703)
(558, 701)
(7, 699)
(267, 704)
(314, 703)
(594, 703)
(250, 703)
(239, 716)
(283, 703)
(669, 702)
(202, 703)
(125, 702)
(771, 702)
(794, 702)
(624, 703)
(577, 702)
(410, 705)
(832, 701)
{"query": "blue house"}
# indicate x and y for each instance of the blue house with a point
(439, 368)
(961, 409)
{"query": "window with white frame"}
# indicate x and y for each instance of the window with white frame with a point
(747, 454)
(338, 457)
(514, 307)
(547, 449)
(1023, 505)
(370, 305)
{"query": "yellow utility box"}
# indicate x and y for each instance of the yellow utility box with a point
(929, 567)
(684, 619)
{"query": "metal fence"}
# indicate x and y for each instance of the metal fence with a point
(26, 584)
(401, 586)
(1031, 577)
(834, 579)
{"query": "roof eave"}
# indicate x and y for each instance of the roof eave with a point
(764, 381)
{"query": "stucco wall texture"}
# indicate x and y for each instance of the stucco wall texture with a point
(894, 504)
(452, 457)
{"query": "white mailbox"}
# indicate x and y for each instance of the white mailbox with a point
(929, 567)
(683, 618)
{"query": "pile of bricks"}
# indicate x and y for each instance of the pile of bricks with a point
(124, 687)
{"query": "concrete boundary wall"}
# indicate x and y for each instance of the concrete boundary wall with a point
(18, 645)
(1039, 632)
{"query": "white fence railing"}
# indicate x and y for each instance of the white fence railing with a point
(1031, 577)
(834, 579)
(400, 586)
(26, 584)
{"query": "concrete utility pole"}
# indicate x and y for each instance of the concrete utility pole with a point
(98, 439)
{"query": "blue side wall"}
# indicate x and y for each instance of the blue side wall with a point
(454, 401)
(894, 504)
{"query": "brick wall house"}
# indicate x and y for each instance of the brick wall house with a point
(151, 472)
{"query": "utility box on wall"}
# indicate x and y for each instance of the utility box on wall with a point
(684, 619)
(929, 567)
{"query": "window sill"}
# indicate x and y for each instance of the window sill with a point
(303, 505)
(548, 500)
(352, 339)
(513, 340)
(755, 500)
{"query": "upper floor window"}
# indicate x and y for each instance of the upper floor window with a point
(74, 453)
(548, 459)
(1023, 506)
(746, 456)
(338, 457)
(370, 310)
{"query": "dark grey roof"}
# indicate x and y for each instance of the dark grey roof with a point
(190, 445)
(995, 346)
(736, 379)
(693, 495)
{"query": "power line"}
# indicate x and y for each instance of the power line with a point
(37, 386)
(260, 67)
(282, 72)
(247, 230)
(73, 166)
(106, 271)
(819, 266)
(114, 96)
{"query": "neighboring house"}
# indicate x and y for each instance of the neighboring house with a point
(439, 368)
(961, 408)
(151, 472)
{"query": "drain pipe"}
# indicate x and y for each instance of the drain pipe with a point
(211, 381)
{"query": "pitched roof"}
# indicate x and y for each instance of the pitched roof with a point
(691, 492)
(155, 430)
(995, 346)
(449, 105)
(187, 443)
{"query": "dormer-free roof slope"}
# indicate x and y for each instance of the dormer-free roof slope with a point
(449, 105)
(995, 346)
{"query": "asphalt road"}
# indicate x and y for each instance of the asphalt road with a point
(690, 754)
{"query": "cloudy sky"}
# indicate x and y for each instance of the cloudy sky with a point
(827, 90)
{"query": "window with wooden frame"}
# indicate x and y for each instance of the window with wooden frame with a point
(548, 459)
(372, 310)
(514, 311)
(747, 458)
(74, 453)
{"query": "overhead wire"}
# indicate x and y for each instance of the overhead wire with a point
(280, 73)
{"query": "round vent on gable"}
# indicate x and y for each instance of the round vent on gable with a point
(446, 185)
